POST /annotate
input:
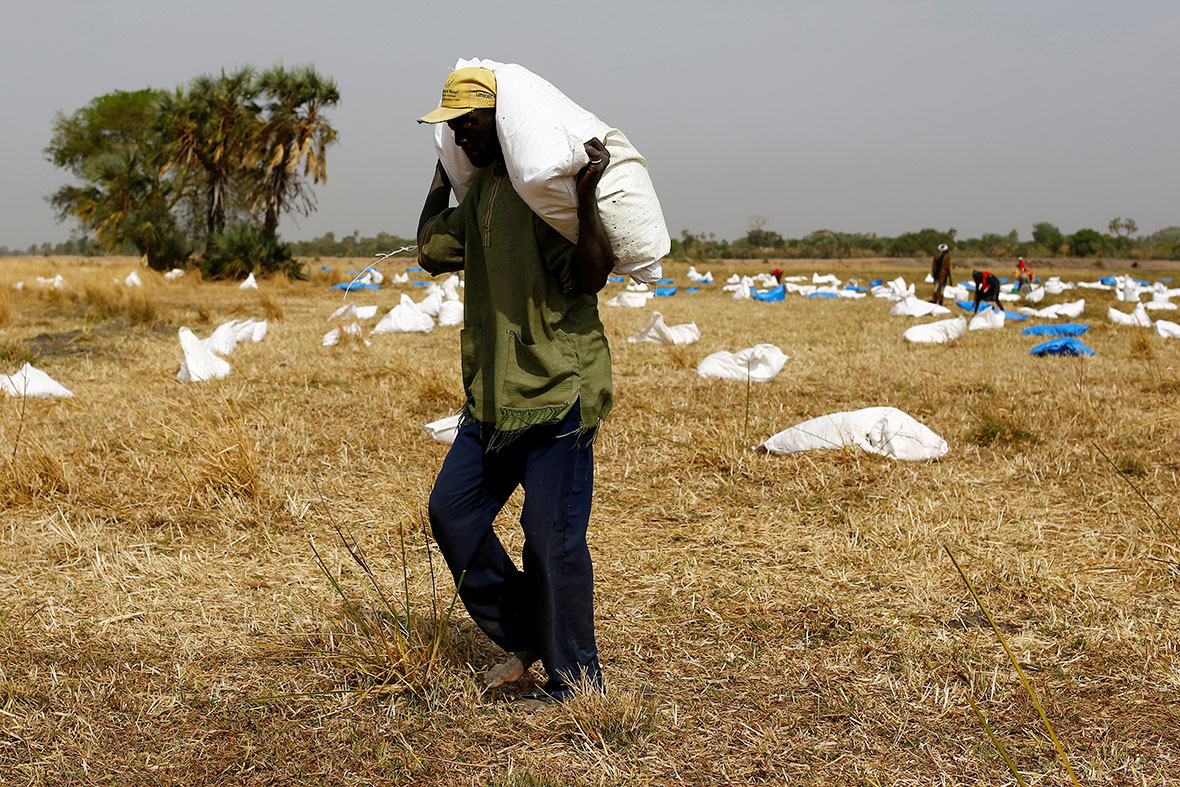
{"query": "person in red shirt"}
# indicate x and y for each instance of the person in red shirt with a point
(987, 288)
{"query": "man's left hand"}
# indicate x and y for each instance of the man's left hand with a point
(588, 177)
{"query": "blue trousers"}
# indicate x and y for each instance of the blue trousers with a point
(548, 607)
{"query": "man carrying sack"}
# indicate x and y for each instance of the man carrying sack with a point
(537, 379)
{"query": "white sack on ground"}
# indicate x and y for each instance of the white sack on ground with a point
(542, 134)
(406, 317)
(444, 429)
(631, 300)
(431, 303)
(734, 279)
(915, 307)
(987, 320)
(401, 278)
(224, 338)
(706, 278)
(761, 363)
(332, 337)
(133, 280)
(1035, 295)
(633, 286)
(885, 431)
(956, 292)
(199, 363)
(939, 332)
(30, 381)
(450, 288)
(250, 330)
(450, 313)
(743, 288)
(1094, 285)
(249, 283)
(57, 282)
(175, 273)
(656, 331)
(1138, 317)
(692, 274)
(1167, 329)
(1159, 300)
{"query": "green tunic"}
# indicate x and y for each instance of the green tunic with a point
(531, 345)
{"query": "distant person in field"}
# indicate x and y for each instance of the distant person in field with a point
(1024, 275)
(777, 273)
(537, 378)
(987, 288)
(941, 272)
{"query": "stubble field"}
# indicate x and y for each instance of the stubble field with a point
(762, 620)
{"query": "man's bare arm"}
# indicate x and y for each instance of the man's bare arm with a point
(593, 257)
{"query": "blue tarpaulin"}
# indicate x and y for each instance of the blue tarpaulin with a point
(349, 286)
(1107, 280)
(823, 295)
(419, 283)
(666, 281)
(691, 290)
(664, 292)
(773, 295)
(1060, 329)
(855, 289)
(876, 283)
(325, 268)
(614, 278)
(969, 306)
(1064, 345)
(415, 269)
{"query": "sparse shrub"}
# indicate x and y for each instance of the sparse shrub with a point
(612, 717)
(16, 353)
(1130, 465)
(5, 304)
(1141, 346)
(205, 312)
(104, 300)
(994, 427)
(270, 305)
(242, 250)
(34, 471)
(142, 310)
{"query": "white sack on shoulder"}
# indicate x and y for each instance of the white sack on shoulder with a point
(656, 331)
(885, 431)
(30, 381)
(406, 317)
(915, 307)
(542, 134)
(198, 363)
(761, 363)
(939, 332)
(444, 429)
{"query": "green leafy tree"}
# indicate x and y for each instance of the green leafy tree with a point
(1086, 243)
(920, 243)
(123, 198)
(294, 135)
(1047, 235)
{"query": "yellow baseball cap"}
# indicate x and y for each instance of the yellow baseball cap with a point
(464, 90)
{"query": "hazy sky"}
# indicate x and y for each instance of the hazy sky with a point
(855, 116)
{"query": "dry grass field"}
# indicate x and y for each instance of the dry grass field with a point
(762, 620)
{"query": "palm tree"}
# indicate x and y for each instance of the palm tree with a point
(294, 133)
(211, 128)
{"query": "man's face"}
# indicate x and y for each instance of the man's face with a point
(475, 133)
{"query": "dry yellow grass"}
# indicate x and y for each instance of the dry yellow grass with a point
(762, 620)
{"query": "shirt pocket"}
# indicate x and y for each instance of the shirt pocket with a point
(541, 374)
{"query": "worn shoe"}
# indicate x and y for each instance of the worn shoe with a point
(510, 670)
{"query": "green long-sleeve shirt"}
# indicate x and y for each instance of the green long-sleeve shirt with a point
(531, 347)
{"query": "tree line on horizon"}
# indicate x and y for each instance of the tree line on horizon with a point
(1047, 241)
(198, 175)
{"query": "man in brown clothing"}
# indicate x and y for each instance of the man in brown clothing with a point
(941, 272)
